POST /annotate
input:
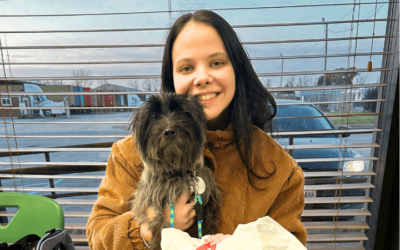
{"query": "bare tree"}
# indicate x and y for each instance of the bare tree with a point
(362, 79)
(157, 84)
(291, 82)
(304, 81)
(51, 82)
(147, 85)
(268, 83)
(82, 73)
(133, 84)
(102, 82)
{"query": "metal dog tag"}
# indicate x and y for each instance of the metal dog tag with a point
(201, 185)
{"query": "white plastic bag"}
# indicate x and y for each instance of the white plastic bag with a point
(263, 234)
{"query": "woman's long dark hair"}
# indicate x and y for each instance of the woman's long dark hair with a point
(251, 104)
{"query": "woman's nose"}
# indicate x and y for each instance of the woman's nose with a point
(203, 77)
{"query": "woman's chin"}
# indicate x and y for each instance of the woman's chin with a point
(216, 122)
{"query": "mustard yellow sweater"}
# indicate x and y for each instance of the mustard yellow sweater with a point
(111, 226)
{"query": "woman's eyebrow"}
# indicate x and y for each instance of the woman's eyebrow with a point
(187, 59)
(184, 60)
(217, 54)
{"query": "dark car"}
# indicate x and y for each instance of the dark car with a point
(306, 118)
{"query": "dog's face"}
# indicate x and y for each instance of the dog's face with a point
(170, 132)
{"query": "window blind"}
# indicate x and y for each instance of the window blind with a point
(93, 70)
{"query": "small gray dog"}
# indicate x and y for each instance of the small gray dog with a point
(170, 134)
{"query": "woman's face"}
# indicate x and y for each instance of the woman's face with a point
(201, 67)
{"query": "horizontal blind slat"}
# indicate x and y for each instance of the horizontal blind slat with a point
(215, 9)
(116, 77)
(306, 175)
(337, 173)
(95, 190)
(328, 200)
(334, 247)
(275, 89)
(32, 176)
(344, 145)
(335, 212)
(167, 28)
(306, 213)
(159, 61)
(106, 46)
(50, 163)
(336, 237)
(336, 225)
(337, 186)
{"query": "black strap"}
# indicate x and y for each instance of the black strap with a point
(28, 242)
(3, 246)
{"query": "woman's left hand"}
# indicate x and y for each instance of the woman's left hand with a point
(215, 239)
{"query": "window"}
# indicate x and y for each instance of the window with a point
(6, 101)
(333, 115)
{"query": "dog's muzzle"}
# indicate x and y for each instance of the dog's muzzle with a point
(169, 133)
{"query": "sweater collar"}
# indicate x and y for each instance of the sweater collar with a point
(220, 137)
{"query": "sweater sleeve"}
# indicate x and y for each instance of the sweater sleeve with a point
(111, 224)
(289, 205)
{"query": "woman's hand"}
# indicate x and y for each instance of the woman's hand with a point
(215, 239)
(146, 233)
(184, 213)
(183, 219)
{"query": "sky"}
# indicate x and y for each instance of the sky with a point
(162, 20)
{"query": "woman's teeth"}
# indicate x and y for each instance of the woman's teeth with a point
(206, 97)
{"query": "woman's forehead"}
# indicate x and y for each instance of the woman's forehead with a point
(197, 40)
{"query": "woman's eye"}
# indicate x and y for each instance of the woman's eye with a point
(185, 69)
(218, 63)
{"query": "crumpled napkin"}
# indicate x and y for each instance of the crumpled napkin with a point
(263, 234)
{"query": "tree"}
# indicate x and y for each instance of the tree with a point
(338, 78)
(362, 79)
(371, 94)
(291, 82)
(268, 83)
(157, 84)
(304, 81)
(147, 85)
(102, 82)
(82, 73)
(133, 84)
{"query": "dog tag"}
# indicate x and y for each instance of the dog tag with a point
(201, 185)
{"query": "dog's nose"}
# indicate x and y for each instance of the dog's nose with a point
(169, 133)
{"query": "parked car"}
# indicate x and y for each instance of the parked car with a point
(299, 111)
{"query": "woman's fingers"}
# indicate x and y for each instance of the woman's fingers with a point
(184, 214)
(146, 233)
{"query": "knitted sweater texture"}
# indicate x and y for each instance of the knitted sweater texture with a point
(111, 224)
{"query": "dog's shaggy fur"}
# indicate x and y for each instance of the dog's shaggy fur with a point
(170, 135)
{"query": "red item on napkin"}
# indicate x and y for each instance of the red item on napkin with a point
(206, 247)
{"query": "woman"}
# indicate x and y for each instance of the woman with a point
(203, 57)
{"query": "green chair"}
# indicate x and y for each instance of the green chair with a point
(35, 215)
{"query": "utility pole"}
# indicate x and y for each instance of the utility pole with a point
(281, 71)
(326, 56)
